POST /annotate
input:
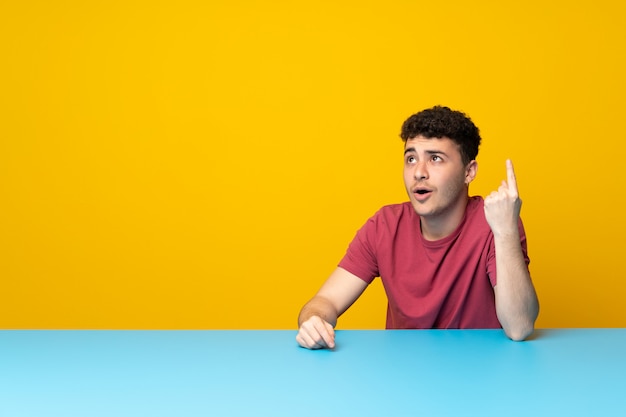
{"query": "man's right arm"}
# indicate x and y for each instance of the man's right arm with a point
(318, 317)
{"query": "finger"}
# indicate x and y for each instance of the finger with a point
(301, 340)
(314, 344)
(308, 340)
(510, 175)
(492, 196)
(317, 333)
(331, 332)
(305, 340)
(326, 333)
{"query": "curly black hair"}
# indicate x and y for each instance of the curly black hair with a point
(439, 122)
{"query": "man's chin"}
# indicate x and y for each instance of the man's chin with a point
(421, 209)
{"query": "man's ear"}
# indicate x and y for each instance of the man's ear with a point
(470, 171)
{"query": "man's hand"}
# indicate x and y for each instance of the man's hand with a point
(502, 207)
(316, 333)
(517, 306)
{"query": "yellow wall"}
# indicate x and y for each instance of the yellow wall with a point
(204, 164)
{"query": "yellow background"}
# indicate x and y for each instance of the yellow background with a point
(204, 164)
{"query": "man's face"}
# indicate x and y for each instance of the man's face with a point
(435, 177)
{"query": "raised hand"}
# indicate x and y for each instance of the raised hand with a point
(502, 207)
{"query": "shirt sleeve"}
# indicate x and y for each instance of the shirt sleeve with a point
(360, 258)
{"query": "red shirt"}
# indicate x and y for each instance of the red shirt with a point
(443, 284)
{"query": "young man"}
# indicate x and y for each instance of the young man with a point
(446, 260)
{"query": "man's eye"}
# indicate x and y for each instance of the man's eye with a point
(410, 159)
(436, 158)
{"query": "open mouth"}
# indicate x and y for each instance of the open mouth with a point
(422, 193)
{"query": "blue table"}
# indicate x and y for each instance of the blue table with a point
(568, 372)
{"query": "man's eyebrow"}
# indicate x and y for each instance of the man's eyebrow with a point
(429, 151)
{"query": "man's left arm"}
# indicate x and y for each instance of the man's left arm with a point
(517, 306)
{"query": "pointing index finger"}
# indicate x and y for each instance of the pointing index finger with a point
(510, 175)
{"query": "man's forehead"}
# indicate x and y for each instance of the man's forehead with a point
(444, 140)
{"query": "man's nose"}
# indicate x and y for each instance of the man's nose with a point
(421, 171)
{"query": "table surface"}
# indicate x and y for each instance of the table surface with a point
(568, 372)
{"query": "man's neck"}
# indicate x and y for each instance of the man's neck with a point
(444, 224)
